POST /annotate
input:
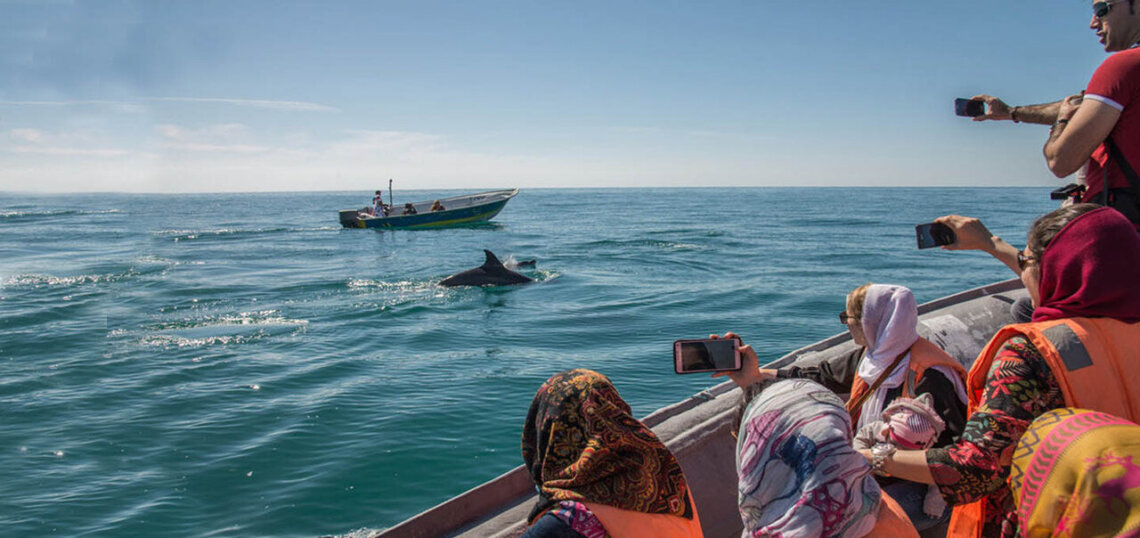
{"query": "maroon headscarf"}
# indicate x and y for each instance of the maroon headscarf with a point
(1091, 269)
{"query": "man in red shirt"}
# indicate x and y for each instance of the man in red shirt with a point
(1101, 131)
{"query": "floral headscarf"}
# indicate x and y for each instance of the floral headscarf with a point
(798, 473)
(1077, 473)
(580, 443)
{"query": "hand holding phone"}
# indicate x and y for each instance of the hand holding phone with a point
(934, 234)
(969, 107)
(706, 355)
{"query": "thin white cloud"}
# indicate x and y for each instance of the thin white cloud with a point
(135, 106)
(78, 143)
(295, 106)
(217, 148)
(72, 152)
(218, 138)
(125, 106)
(26, 135)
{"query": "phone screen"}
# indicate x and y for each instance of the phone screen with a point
(969, 107)
(934, 234)
(690, 356)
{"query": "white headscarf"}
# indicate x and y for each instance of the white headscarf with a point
(890, 322)
(798, 473)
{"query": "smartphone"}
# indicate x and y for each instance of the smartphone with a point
(707, 355)
(969, 107)
(934, 234)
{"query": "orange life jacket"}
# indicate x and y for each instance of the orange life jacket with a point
(893, 521)
(629, 524)
(1096, 362)
(923, 356)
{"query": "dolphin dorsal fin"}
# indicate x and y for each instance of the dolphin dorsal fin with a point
(492, 260)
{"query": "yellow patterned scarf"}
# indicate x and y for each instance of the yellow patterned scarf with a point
(1077, 473)
(580, 443)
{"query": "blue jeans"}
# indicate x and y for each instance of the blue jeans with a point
(910, 496)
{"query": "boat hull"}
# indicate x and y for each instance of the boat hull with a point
(698, 430)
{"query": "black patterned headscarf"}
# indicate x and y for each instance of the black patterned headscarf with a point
(581, 443)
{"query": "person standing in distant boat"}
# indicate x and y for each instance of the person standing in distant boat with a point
(379, 208)
(1097, 132)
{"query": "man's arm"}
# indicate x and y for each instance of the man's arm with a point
(1081, 126)
(1042, 114)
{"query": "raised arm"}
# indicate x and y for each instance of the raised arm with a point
(971, 234)
(1042, 114)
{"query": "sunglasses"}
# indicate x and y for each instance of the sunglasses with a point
(1101, 9)
(844, 318)
(1023, 260)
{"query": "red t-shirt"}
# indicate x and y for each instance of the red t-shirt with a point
(1117, 84)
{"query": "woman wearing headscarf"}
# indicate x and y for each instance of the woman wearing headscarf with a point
(895, 363)
(598, 470)
(799, 475)
(1077, 473)
(1082, 349)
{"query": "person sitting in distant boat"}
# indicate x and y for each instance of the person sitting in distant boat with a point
(409, 209)
(599, 471)
(798, 474)
(436, 206)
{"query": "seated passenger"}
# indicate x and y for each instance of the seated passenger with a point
(799, 474)
(409, 209)
(1081, 350)
(1081, 469)
(896, 363)
(599, 471)
(436, 206)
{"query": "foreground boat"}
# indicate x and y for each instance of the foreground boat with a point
(465, 209)
(697, 430)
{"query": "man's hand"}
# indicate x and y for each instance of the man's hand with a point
(1069, 107)
(996, 108)
(969, 232)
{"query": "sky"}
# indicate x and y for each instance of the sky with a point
(250, 96)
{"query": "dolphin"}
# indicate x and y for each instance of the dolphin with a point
(491, 273)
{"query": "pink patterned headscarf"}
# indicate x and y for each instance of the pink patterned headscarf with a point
(798, 473)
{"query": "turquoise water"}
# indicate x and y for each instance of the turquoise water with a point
(239, 365)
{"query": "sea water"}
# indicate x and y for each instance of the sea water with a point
(240, 365)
